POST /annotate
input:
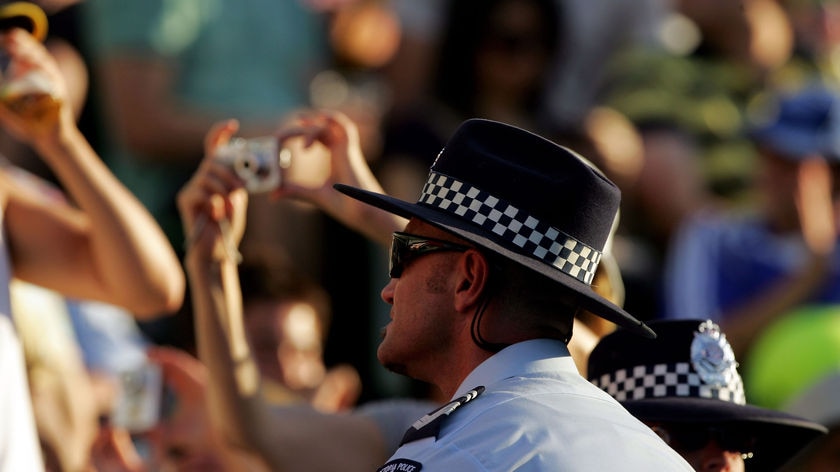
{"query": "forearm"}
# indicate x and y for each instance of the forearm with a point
(130, 253)
(288, 438)
(222, 347)
(372, 223)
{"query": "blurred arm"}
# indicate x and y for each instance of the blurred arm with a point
(818, 223)
(293, 437)
(139, 95)
(107, 246)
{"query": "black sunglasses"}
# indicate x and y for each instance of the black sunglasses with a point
(405, 247)
(688, 438)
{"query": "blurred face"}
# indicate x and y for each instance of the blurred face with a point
(417, 339)
(712, 457)
(513, 56)
(816, 23)
(705, 448)
(777, 182)
(781, 181)
(286, 339)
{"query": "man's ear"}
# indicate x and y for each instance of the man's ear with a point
(473, 272)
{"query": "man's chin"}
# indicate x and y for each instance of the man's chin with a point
(389, 364)
(396, 368)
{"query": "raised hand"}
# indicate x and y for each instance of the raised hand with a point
(213, 202)
(31, 115)
(347, 165)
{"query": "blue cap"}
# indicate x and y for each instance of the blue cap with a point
(801, 124)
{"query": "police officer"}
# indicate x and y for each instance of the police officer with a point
(496, 258)
(685, 385)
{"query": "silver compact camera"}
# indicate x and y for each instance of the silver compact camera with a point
(259, 162)
(139, 396)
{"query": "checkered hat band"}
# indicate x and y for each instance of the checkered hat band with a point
(666, 380)
(536, 238)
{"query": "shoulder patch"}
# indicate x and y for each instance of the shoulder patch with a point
(401, 465)
(429, 425)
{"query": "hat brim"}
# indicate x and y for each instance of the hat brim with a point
(792, 144)
(779, 435)
(589, 299)
(26, 15)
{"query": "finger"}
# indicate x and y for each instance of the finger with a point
(196, 199)
(182, 372)
(219, 134)
(212, 178)
(15, 41)
(296, 130)
(234, 200)
(224, 179)
(27, 51)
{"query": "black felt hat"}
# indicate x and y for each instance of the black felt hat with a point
(688, 375)
(25, 15)
(525, 198)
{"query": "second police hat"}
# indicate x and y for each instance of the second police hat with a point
(688, 375)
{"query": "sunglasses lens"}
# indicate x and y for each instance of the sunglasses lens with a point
(406, 246)
(398, 248)
(692, 439)
(737, 441)
(689, 439)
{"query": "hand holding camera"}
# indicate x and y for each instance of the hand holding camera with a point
(335, 137)
(311, 152)
(259, 162)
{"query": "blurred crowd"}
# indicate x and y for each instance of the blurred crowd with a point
(719, 120)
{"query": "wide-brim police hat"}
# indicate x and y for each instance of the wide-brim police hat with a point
(524, 198)
(688, 375)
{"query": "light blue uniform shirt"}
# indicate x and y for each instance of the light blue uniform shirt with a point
(537, 413)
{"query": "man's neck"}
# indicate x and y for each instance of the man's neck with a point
(449, 379)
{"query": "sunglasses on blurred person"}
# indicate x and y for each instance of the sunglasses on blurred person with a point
(690, 438)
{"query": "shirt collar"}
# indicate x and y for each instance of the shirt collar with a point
(527, 357)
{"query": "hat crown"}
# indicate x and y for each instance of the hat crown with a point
(524, 198)
(547, 181)
(688, 358)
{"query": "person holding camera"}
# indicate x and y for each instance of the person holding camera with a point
(486, 276)
(103, 246)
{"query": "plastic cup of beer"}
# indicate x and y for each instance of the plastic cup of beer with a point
(25, 91)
